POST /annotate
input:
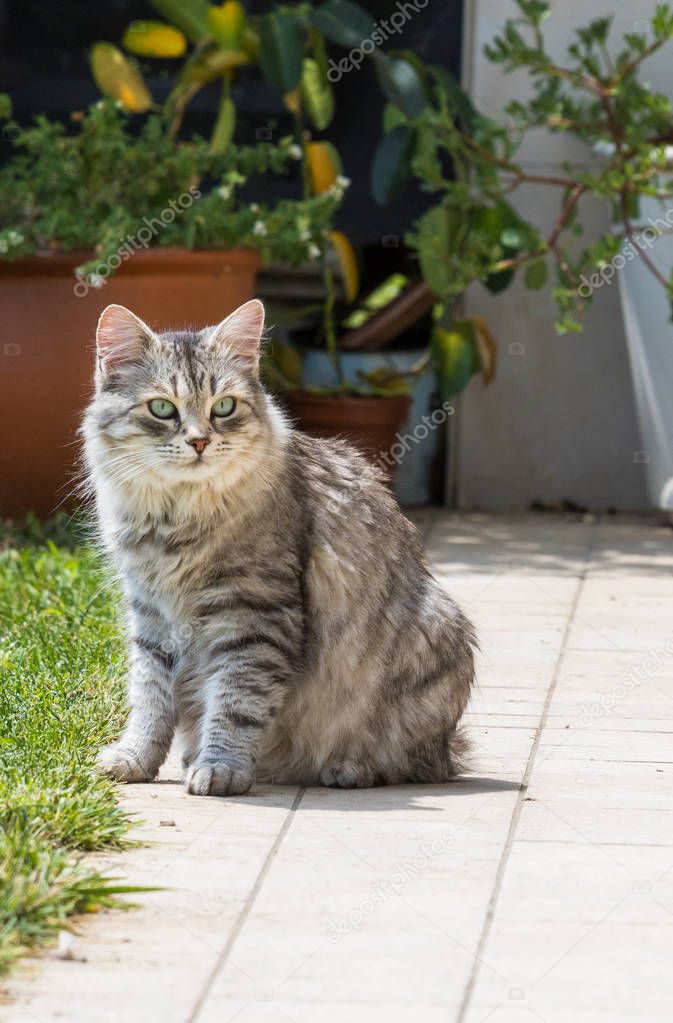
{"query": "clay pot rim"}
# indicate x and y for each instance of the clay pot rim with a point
(159, 259)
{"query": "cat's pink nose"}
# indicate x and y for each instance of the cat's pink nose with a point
(199, 443)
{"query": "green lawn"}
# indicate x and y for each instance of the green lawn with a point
(61, 696)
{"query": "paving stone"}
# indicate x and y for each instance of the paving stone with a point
(464, 902)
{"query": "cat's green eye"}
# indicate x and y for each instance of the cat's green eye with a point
(162, 408)
(223, 407)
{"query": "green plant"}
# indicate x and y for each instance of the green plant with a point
(99, 187)
(61, 696)
(286, 46)
(472, 231)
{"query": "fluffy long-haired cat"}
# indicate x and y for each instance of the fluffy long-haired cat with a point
(281, 616)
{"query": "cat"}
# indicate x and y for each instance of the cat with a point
(282, 618)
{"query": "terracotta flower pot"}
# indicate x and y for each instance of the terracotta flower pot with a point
(47, 347)
(371, 423)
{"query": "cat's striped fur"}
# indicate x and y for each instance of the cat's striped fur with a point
(282, 618)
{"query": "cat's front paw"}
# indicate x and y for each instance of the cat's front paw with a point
(217, 780)
(123, 764)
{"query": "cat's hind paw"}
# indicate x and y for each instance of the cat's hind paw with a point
(217, 780)
(123, 764)
(347, 774)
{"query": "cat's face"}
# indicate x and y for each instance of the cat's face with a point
(178, 407)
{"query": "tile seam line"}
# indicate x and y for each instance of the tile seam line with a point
(224, 955)
(530, 763)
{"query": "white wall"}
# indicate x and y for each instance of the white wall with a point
(559, 421)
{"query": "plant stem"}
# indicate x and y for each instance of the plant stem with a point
(328, 322)
(551, 243)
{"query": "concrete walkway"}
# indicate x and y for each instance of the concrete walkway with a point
(539, 888)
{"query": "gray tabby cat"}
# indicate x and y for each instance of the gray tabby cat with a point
(282, 618)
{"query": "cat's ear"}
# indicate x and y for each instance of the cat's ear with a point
(241, 332)
(121, 338)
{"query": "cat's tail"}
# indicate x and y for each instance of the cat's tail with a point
(441, 758)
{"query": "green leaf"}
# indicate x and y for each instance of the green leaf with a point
(458, 101)
(436, 232)
(191, 17)
(343, 22)
(453, 356)
(391, 166)
(281, 50)
(535, 275)
(536, 11)
(317, 94)
(427, 160)
(492, 221)
(392, 117)
(512, 238)
(401, 84)
(499, 281)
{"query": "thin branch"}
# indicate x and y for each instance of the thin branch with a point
(513, 168)
(633, 64)
(565, 269)
(576, 77)
(569, 205)
(550, 244)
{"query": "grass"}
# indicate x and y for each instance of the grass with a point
(61, 697)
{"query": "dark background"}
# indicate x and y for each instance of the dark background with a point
(44, 67)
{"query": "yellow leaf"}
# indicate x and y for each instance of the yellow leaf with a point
(117, 77)
(212, 64)
(292, 101)
(321, 166)
(486, 348)
(154, 39)
(226, 23)
(347, 263)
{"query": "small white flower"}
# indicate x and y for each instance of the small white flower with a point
(342, 181)
(295, 151)
(14, 238)
(313, 252)
(259, 228)
(253, 207)
(305, 234)
(224, 191)
(3, 246)
(95, 281)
